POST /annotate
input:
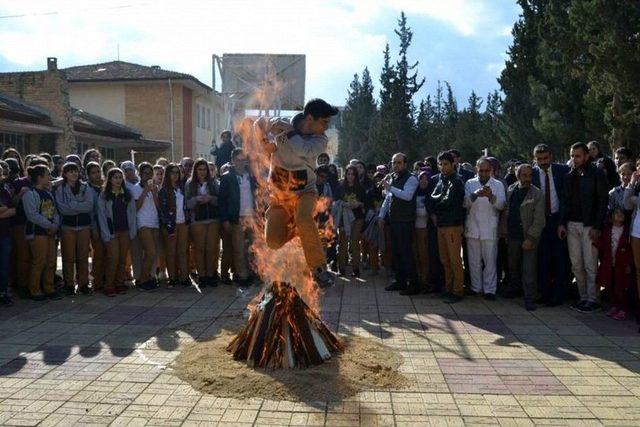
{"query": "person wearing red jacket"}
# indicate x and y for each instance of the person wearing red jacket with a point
(616, 272)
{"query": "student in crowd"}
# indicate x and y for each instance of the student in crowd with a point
(58, 162)
(173, 225)
(98, 250)
(348, 214)
(616, 272)
(201, 194)
(447, 214)
(145, 193)
(91, 155)
(6, 212)
(420, 238)
(21, 259)
(616, 195)
(484, 200)
(117, 221)
(582, 216)
(75, 204)
(162, 161)
(237, 208)
(524, 221)
(160, 265)
(41, 228)
(107, 165)
(222, 153)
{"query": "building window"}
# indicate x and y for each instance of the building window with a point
(12, 140)
(209, 118)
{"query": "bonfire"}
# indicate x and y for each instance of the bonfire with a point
(283, 332)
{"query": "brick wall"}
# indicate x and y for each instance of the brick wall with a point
(48, 89)
(147, 109)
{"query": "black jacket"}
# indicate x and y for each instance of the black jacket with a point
(594, 196)
(447, 199)
(167, 213)
(229, 196)
(222, 153)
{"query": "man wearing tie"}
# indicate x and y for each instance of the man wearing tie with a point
(552, 260)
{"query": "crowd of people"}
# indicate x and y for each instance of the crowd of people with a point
(437, 225)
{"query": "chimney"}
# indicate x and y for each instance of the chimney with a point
(52, 64)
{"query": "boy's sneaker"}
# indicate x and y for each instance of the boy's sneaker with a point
(589, 307)
(86, 291)
(121, 289)
(54, 296)
(356, 272)
(6, 300)
(146, 286)
(111, 292)
(578, 305)
(323, 278)
(452, 299)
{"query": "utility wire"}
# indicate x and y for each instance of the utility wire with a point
(24, 15)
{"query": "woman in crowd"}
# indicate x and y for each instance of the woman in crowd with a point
(117, 221)
(107, 165)
(145, 193)
(91, 155)
(201, 193)
(41, 228)
(173, 226)
(349, 217)
(75, 204)
(6, 212)
(98, 250)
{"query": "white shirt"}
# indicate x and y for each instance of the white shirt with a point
(555, 203)
(421, 212)
(483, 215)
(147, 215)
(202, 189)
(179, 207)
(616, 233)
(246, 196)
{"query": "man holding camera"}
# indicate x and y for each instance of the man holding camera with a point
(484, 199)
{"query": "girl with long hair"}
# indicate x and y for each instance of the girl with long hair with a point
(117, 220)
(173, 225)
(41, 228)
(75, 204)
(201, 194)
(349, 202)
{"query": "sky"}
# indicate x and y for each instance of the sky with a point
(463, 42)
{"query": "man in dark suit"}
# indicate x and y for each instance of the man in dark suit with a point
(553, 268)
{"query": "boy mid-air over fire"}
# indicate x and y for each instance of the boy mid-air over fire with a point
(294, 148)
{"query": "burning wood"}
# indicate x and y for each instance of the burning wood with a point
(283, 332)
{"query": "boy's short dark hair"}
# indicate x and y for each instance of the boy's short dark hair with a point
(541, 148)
(580, 146)
(445, 155)
(236, 152)
(323, 169)
(625, 151)
(144, 165)
(319, 109)
(455, 152)
(324, 155)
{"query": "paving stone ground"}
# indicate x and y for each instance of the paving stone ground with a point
(103, 361)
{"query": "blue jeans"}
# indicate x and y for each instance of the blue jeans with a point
(5, 255)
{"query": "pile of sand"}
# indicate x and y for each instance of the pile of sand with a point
(365, 365)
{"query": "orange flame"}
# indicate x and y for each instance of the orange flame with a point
(288, 263)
